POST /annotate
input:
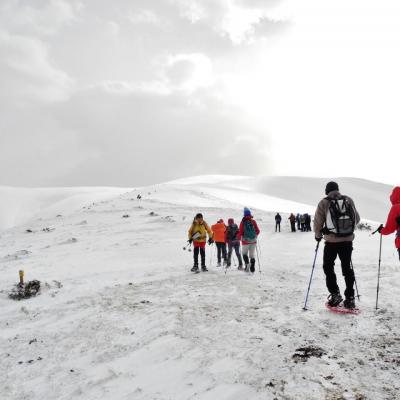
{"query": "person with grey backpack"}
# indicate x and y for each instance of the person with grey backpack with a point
(233, 243)
(335, 220)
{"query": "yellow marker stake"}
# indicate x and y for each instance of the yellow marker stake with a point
(21, 277)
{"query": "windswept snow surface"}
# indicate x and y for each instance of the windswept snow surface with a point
(121, 317)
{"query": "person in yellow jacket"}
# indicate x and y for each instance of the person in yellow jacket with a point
(219, 230)
(198, 235)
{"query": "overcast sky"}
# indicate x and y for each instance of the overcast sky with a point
(132, 92)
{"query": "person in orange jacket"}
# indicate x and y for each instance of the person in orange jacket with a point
(219, 231)
(393, 219)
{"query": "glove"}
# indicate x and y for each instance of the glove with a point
(380, 228)
(318, 239)
(210, 241)
(190, 241)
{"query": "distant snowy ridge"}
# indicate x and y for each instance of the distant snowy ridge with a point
(268, 193)
(292, 193)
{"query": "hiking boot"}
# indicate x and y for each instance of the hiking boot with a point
(240, 267)
(246, 268)
(253, 266)
(204, 268)
(334, 299)
(349, 303)
(195, 268)
(219, 264)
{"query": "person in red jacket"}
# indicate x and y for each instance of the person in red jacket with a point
(248, 233)
(393, 219)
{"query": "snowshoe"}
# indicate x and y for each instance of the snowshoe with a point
(195, 269)
(340, 309)
(334, 299)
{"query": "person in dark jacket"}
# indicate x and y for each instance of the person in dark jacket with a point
(298, 221)
(233, 241)
(338, 242)
(307, 222)
(278, 220)
(292, 220)
(393, 219)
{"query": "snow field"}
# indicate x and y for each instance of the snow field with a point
(131, 322)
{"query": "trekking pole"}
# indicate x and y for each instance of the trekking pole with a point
(355, 280)
(312, 273)
(379, 271)
(211, 254)
(258, 259)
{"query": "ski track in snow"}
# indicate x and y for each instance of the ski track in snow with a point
(131, 322)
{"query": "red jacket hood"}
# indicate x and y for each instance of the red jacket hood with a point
(395, 196)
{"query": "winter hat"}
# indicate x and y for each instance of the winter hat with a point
(231, 221)
(220, 220)
(199, 215)
(246, 212)
(330, 187)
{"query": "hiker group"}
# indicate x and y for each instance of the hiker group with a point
(303, 222)
(232, 236)
(335, 220)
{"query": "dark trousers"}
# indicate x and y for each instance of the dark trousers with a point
(343, 250)
(221, 251)
(293, 226)
(234, 246)
(399, 253)
(277, 226)
(202, 252)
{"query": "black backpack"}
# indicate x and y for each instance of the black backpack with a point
(341, 219)
(231, 232)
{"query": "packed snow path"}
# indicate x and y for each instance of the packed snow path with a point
(121, 316)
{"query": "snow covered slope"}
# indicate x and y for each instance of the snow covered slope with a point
(19, 205)
(121, 317)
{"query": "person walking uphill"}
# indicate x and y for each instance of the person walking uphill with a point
(248, 233)
(198, 235)
(219, 231)
(233, 242)
(393, 219)
(335, 219)
(278, 220)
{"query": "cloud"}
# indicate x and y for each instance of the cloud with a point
(126, 92)
(26, 72)
(145, 137)
(45, 18)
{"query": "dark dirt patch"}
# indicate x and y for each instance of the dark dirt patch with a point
(302, 354)
(27, 290)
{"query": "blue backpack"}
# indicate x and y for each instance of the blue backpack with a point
(249, 232)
